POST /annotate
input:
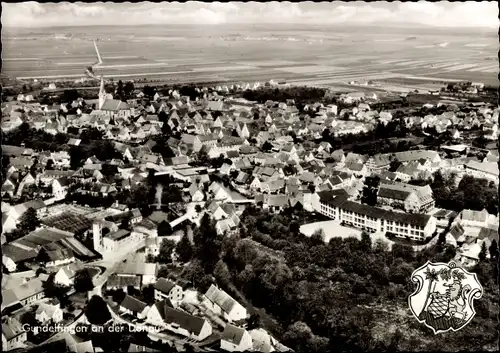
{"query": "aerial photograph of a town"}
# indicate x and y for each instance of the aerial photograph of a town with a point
(250, 177)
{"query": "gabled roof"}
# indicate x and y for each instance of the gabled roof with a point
(133, 304)
(233, 334)
(221, 298)
(164, 285)
(123, 281)
(472, 215)
(11, 328)
(25, 290)
(457, 231)
(190, 323)
(114, 104)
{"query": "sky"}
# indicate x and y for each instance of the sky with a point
(437, 14)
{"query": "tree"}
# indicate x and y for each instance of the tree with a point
(326, 134)
(166, 249)
(482, 253)
(54, 290)
(70, 95)
(370, 190)
(318, 237)
(254, 321)
(50, 164)
(119, 89)
(184, 249)
(221, 273)
(43, 256)
(97, 311)
(493, 249)
(128, 88)
(198, 208)
(83, 281)
(29, 221)
(164, 229)
(267, 146)
(366, 241)
(394, 165)
(149, 91)
(5, 165)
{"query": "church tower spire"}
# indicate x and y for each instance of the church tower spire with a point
(102, 94)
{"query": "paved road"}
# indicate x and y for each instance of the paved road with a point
(110, 261)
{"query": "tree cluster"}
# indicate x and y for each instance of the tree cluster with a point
(38, 140)
(326, 295)
(470, 193)
(301, 95)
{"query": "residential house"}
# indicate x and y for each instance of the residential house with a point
(47, 312)
(235, 339)
(65, 275)
(163, 315)
(138, 268)
(242, 130)
(166, 289)
(28, 179)
(411, 198)
(409, 156)
(13, 335)
(133, 306)
(472, 218)
(25, 294)
(261, 341)
(196, 193)
(216, 211)
(222, 303)
(60, 187)
(274, 203)
(58, 254)
(116, 282)
(219, 192)
(360, 170)
(486, 170)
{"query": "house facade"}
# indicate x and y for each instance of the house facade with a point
(222, 303)
(235, 339)
(165, 289)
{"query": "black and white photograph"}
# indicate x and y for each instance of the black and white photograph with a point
(250, 177)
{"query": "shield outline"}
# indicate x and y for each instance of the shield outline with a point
(417, 291)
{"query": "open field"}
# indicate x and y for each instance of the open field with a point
(314, 56)
(333, 229)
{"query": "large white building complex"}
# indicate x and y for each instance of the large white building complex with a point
(374, 219)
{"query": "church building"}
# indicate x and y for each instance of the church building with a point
(112, 107)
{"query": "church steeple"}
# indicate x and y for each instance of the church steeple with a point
(102, 94)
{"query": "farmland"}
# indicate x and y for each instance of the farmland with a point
(219, 53)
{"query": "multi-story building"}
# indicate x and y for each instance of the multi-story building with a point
(486, 170)
(374, 219)
(411, 198)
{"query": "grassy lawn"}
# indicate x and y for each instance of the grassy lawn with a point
(331, 229)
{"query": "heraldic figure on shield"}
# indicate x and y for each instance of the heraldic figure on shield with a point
(444, 299)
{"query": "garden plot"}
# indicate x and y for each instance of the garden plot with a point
(460, 67)
(311, 69)
(224, 68)
(269, 63)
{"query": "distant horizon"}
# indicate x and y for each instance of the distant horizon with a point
(446, 15)
(423, 29)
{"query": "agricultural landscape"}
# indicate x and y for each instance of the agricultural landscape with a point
(399, 62)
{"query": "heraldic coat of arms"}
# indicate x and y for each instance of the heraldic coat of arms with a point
(444, 299)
